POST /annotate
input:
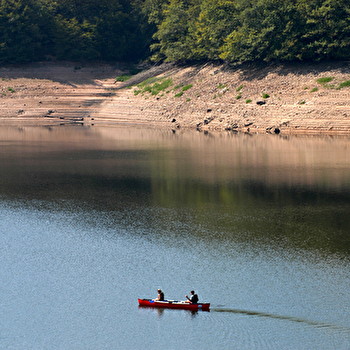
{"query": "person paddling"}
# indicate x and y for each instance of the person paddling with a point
(160, 295)
(193, 299)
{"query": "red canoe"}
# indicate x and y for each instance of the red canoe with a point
(173, 304)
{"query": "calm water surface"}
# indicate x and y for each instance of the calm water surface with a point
(93, 218)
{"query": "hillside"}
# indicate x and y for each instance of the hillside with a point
(201, 96)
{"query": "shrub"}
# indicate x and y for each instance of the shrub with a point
(265, 95)
(239, 88)
(188, 100)
(248, 101)
(238, 97)
(10, 89)
(136, 92)
(314, 89)
(179, 94)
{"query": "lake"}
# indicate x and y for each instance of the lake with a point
(93, 218)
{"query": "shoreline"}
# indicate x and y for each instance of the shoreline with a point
(253, 98)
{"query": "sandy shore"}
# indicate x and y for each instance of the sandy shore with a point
(218, 97)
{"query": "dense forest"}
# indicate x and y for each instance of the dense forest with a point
(188, 30)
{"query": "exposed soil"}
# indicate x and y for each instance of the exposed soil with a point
(60, 93)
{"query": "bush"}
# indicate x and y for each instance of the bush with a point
(314, 89)
(179, 94)
(248, 101)
(265, 95)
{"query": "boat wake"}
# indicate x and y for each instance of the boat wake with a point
(280, 317)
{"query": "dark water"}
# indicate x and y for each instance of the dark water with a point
(92, 219)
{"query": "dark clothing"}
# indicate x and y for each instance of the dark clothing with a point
(161, 296)
(194, 299)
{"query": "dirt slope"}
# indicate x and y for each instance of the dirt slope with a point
(51, 93)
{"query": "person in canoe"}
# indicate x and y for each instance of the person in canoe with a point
(193, 299)
(160, 295)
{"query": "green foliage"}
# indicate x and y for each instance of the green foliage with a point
(239, 88)
(187, 87)
(179, 94)
(314, 89)
(123, 77)
(265, 95)
(344, 84)
(324, 80)
(238, 30)
(178, 86)
(153, 85)
(128, 30)
(157, 87)
(238, 97)
(248, 101)
(10, 89)
(71, 29)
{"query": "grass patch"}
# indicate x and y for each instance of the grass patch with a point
(188, 100)
(248, 101)
(10, 89)
(324, 80)
(148, 81)
(239, 88)
(153, 86)
(238, 97)
(221, 86)
(179, 94)
(314, 89)
(178, 86)
(265, 95)
(343, 84)
(123, 77)
(187, 87)
(157, 87)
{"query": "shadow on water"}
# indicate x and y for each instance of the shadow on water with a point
(280, 317)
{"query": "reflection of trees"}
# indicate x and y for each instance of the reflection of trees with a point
(288, 217)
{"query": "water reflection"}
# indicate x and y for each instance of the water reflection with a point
(292, 192)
